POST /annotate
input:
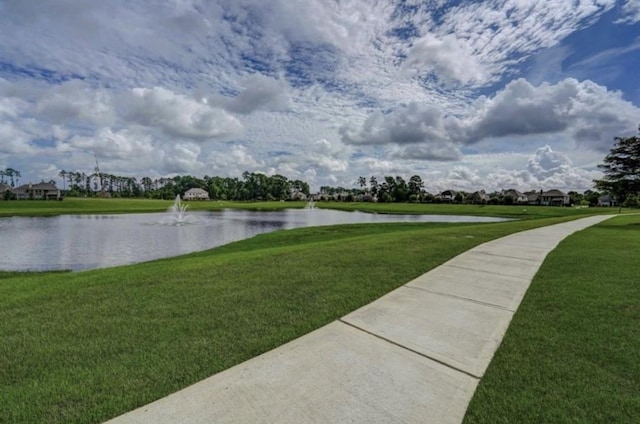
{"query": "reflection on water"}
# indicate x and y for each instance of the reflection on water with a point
(80, 242)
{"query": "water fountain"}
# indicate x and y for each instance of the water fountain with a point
(178, 211)
(310, 204)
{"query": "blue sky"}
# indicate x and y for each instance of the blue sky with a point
(468, 95)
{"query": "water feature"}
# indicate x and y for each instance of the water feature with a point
(310, 204)
(178, 213)
(80, 242)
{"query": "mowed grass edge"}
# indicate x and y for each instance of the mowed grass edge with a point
(74, 205)
(571, 352)
(84, 347)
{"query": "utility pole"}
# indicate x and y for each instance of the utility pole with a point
(98, 172)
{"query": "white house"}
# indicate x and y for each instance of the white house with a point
(195, 194)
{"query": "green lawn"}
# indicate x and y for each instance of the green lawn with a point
(514, 211)
(571, 354)
(73, 205)
(87, 346)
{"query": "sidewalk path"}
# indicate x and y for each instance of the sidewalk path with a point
(415, 355)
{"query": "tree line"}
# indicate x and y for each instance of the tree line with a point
(257, 186)
(252, 186)
(397, 189)
(389, 189)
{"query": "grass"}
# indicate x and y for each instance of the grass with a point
(84, 347)
(513, 211)
(571, 352)
(73, 205)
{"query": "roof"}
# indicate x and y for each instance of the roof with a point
(196, 190)
(22, 188)
(480, 193)
(5, 187)
(44, 186)
(513, 192)
(38, 186)
(556, 193)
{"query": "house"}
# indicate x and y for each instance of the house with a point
(40, 191)
(533, 197)
(607, 200)
(448, 196)
(516, 196)
(478, 197)
(343, 196)
(195, 194)
(554, 198)
(298, 195)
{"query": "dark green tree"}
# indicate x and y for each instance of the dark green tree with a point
(621, 169)
(400, 190)
(415, 185)
(373, 182)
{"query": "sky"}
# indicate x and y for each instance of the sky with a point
(468, 95)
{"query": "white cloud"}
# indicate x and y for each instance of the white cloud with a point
(545, 163)
(108, 144)
(177, 115)
(448, 57)
(502, 33)
(233, 160)
(546, 169)
(587, 112)
(15, 131)
(411, 124)
(182, 158)
(259, 93)
(376, 166)
(14, 141)
(325, 155)
(75, 102)
(432, 152)
(630, 12)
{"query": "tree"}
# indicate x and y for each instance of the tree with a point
(362, 182)
(373, 182)
(621, 169)
(415, 185)
(400, 191)
(576, 198)
(631, 201)
(591, 197)
(63, 175)
(13, 174)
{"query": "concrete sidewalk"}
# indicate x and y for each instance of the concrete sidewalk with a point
(415, 355)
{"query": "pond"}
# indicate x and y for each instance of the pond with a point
(80, 242)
